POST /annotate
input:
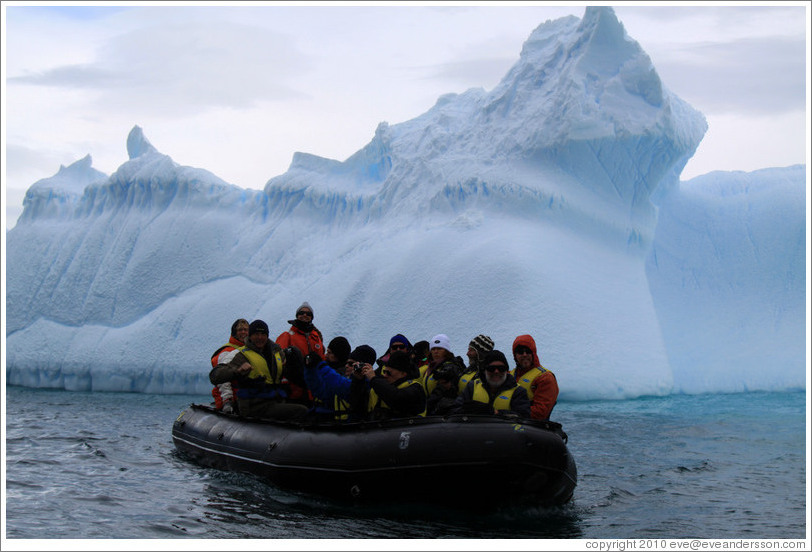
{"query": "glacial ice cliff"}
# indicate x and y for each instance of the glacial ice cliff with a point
(550, 205)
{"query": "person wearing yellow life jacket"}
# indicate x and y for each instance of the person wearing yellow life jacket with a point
(223, 394)
(259, 370)
(325, 406)
(496, 392)
(440, 401)
(451, 378)
(392, 394)
(420, 356)
(539, 382)
(477, 349)
(332, 385)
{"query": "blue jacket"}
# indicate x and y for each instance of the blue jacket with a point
(326, 383)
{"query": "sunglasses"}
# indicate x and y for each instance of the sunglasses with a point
(398, 347)
(522, 351)
(497, 368)
(307, 313)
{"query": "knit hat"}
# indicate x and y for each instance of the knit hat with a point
(441, 341)
(482, 344)
(400, 338)
(400, 360)
(493, 356)
(307, 306)
(421, 348)
(258, 326)
(364, 353)
(340, 347)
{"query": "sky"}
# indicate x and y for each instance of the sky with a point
(236, 89)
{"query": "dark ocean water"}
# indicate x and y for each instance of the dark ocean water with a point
(102, 465)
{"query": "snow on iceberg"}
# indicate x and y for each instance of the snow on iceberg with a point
(527, 209)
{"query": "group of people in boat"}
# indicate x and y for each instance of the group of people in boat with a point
(297, 377)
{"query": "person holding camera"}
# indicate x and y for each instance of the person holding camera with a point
(392, 394)
(440, 355)
(331, 384)
(441, 400)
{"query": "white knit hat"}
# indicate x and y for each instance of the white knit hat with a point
(307, 306)
(441, 341)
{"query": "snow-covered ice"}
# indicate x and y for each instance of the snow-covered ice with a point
(550, 205)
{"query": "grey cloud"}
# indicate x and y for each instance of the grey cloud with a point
(73, 76)
(22, 162)
(757, 76)
(473, 72)
(179, 69)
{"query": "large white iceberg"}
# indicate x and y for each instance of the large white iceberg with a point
(550, 205)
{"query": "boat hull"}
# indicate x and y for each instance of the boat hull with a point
(459, 459)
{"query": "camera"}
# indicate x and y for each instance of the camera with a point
(446, 372)
(358, 368)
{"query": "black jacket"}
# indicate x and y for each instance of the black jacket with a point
(519, 402)
(393, 402)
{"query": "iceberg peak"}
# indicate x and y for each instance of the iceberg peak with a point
(71, 179)
(137, 143)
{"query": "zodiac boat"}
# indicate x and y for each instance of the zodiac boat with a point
(466, 459)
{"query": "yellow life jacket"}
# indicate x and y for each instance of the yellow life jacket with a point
(528, 378)
(376, 402)
(260, 368)
(429, 383)
(422, 369)
(502, 400)
(465, 378)
(341, 408)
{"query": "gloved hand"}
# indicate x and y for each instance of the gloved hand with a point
(312, 360)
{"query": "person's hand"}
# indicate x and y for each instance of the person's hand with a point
(368, 372)
(244, 369)
(312, 360)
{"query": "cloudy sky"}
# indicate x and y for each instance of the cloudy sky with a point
(238, 89)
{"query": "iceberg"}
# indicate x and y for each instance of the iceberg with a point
(550, 205)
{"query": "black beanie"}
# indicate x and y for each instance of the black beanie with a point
(365, 354)
(400, 360)
(494, 356)
(258, 326)
(340, 348)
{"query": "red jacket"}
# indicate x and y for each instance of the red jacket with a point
(543, 388)
(309, 342)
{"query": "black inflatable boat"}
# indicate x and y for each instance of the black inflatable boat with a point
(476, 460)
